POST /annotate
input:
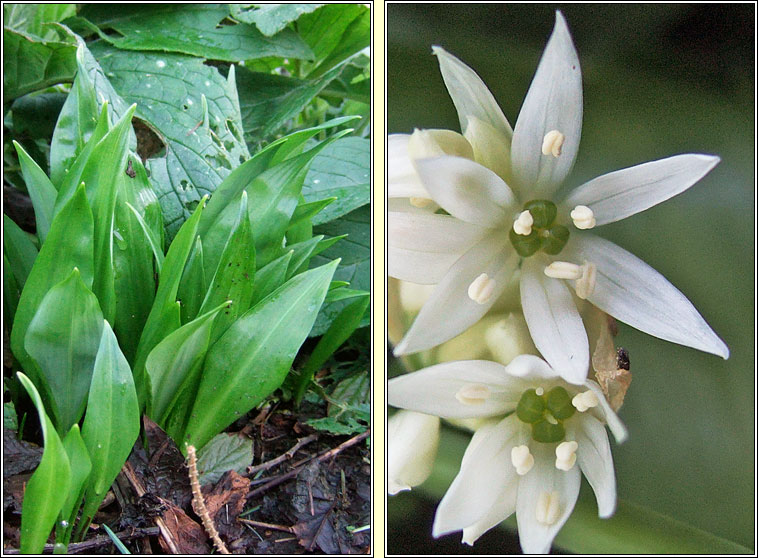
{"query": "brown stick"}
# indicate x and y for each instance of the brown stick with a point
(97, 542)
(322, 457)
(266, 525)
(202, 511)
(289, 454)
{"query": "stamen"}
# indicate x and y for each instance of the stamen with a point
(480, 290)
(583, 217)
(584, 401)
(522, 459)
(552, 143)
(563, 270)
(420, 202)
(473, 394)
(551, 419)
(523, 225)
(565, 455)
(586, 283)
(548, 508)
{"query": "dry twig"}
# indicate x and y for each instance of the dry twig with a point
(197, 498)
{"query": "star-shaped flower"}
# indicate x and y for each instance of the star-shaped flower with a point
(528, 459)
(498, 189)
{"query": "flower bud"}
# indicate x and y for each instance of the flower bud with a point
(412, 446)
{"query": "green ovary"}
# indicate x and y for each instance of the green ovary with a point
(546, 235)
(546, 412)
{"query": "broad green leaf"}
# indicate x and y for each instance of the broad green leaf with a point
(134, 279)
(342, 293)
(32, 18)
(305, 211)
(19, 249)
(355, 251)
(11, 292)
(203, 138)
(81, 465)
(193, 285)
(175, 362)
(341, 170)
(324, 28)
(343, 326)
(41, 191)
(111, 424)
(270, 277)
(270, 18)
(69, 244)
(356, 37)
(48, 487)
(164, 315)
(156, 245)
(233, 280)
(268, 101)
(225, 452)
(301, 254)
(253, 357)
(63, 339)
(34, 116)
(194, 29)
(32, 63)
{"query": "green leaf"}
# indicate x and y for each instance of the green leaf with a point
(32, 63)
(270, 18)
(305, 211)
(164, 315)
(233, 280)
(33, 18)
(270, 277)
(69, 244)
(116, 541)
(193, 285)
(253, 357)
(342, 170)
(175, 364)
(343, 326)
(203, 138)
(194, 29)
(41, 191)
(19, 249)
(111, 424)
(81, 465)
(337, 427)
(48, 487)
(225, 452)
(11, 292)
(355, 251)
(153, 239)
(301, 254)
(356, 37)
(63, 339)
(323, 29)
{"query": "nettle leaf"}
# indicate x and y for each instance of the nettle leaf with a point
(194, 29)
(33, 18)
(112, 422)
(225, 452)
(34, 116)
(270, 18)
(355, 251)
(48, 487)
(63, 339)
(202, 133)
(342, 170)
(255, 354)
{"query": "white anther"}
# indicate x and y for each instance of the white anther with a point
(473, 394)
(563, 270)
(540, 391)
(480, 290)
(523, 225)
(548, 508)
(586, 283)
(583, 217)
(552, 143)
(522, 459)
(565, 455)
(584, 401)
(420, 202)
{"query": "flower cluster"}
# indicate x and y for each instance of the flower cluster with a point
(471, 213)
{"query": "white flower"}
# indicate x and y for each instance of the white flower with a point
(528, 462)
(413, 439)
(504, 216)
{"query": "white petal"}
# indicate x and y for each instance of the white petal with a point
(467, 190)
(502, 509)
(536, 537)
(470, 95)
(617, 195)
(607, 414)
(486, 464)
(433, 390)
(630, 290)
(449, 310)
(423, 246)
(594, 458)
(554, 322)
(554, 102)
(491, 148)
(402, 180)
(403, 205)
(413, 439)
(531, 367)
